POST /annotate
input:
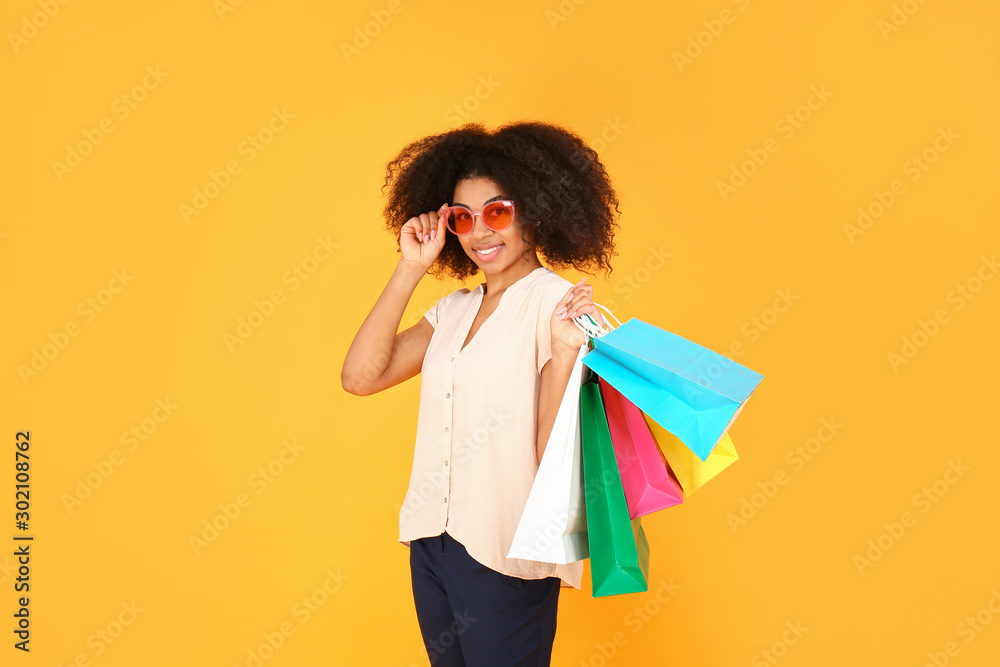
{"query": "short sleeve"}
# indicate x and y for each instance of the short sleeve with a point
(437, 312)
(543, 341)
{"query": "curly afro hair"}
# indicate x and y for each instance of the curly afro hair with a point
(550, 173)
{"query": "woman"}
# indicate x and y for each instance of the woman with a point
(495, 361)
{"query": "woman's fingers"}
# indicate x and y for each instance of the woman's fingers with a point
(439, 227)
(417, 225)
(422, 238)
(563, 304)
(578, 300)
(580, 307)
(574, 290)
(432, 225)
(426, 226)
(581, 294)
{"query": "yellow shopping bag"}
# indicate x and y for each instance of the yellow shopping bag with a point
(691, 471)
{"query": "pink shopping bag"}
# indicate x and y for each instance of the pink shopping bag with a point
(646, 477)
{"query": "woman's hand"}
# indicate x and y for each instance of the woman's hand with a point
(422, 237)
(578, 301)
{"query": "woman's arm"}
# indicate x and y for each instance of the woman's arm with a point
(379, 357)
(566, 342)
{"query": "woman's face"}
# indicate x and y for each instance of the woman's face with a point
(492, 251)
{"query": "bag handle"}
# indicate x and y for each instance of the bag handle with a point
(591, 328)
(606, 310)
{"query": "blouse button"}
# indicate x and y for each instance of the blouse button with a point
(445, 429)
(446, 500)
(447, 395)
(446, 461)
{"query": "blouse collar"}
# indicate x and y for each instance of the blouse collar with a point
(523, 279)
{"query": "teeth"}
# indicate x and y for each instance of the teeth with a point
(490, 251)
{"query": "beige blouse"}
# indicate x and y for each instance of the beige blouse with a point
(474, 459)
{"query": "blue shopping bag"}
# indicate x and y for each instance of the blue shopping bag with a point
(687, 389)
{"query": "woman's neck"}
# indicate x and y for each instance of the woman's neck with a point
(496, 283)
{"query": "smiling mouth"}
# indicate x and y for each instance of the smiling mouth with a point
(488, 251)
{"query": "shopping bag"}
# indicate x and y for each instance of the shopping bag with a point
(687, 389)
(647, 482)
(691, 471)
(619, 552)
(553, 524)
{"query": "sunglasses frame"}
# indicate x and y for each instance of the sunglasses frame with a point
(505, 202)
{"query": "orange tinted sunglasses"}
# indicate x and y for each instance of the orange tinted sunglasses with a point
(497, 215)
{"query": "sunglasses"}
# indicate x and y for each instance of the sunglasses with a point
(497, 215)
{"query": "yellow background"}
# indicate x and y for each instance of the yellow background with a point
(668, 131)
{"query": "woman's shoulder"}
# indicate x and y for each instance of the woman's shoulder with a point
(449, 299)
(547, 280)
(445, 304)
(547, 288)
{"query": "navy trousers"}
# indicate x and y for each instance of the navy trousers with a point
(472, 616)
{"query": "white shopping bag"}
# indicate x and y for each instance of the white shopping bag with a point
(553, 525)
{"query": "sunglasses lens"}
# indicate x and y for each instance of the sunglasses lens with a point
(460, 220)
(498, 215)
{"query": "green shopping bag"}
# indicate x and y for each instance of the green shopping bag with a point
(619, 552)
